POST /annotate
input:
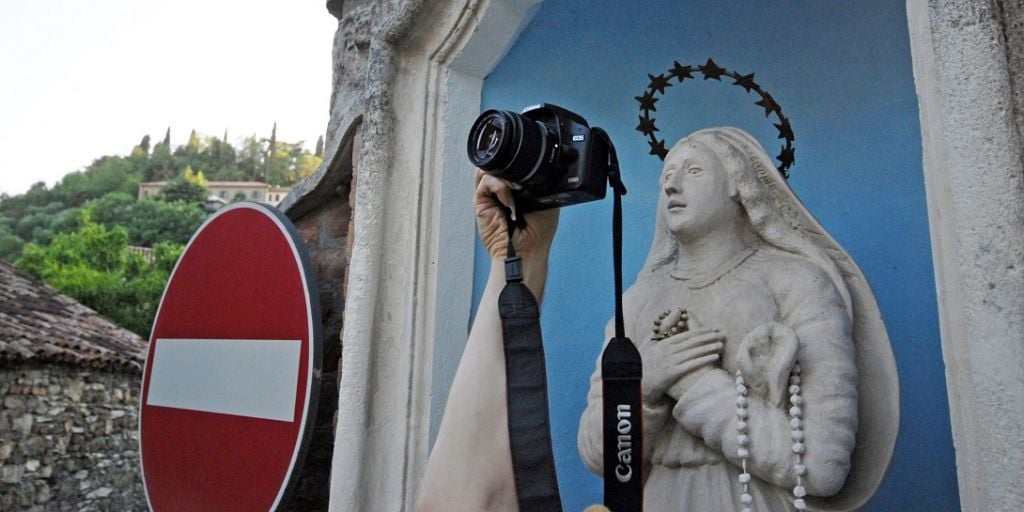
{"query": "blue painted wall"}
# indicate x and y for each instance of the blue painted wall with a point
(842, 72)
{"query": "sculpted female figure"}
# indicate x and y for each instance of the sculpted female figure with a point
(768, 296)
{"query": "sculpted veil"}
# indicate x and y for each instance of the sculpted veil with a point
(769, 296)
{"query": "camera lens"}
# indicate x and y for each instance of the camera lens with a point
(509, 145)
(488, 138)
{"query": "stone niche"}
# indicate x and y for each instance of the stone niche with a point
(69, 439)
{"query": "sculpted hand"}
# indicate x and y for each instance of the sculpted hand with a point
(535, 240)
(766, 356)
(669, 361)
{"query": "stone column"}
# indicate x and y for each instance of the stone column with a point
(969, 72)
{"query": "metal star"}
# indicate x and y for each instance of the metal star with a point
(768, 103)
(711, 70)
(646, 126)
(659, 83)
(680, 72)
(658, 148)
(745, 81)
(786, 158)
(785, 131)
(647, 101)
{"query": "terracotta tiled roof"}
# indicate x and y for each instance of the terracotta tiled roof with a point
(37, 323)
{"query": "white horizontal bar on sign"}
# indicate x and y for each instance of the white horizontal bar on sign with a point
(254, 378)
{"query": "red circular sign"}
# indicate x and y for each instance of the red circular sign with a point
(229, 389)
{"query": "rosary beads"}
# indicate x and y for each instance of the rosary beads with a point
(682, 324)
(663, 330)
(796, 433)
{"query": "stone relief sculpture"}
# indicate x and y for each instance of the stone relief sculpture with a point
(769, 383)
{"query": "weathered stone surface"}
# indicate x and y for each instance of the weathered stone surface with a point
(71, 442)
(969, 74)
(10, 474)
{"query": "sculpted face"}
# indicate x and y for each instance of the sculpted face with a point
(696, 196)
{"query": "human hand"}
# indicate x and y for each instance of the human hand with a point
(681, 354)
(531, 242)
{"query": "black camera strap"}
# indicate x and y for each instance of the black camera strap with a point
(621, 371)
(529, 426)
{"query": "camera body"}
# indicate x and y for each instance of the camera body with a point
(550, 152)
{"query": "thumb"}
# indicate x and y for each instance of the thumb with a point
(597, 508)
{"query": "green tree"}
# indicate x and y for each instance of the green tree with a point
(6, 224)
(188, 187)
(10, 247)
(154, 221)
(191, 154)
(217, 159)
(94, 266)
(113, 209)
(142, 148)
(105, 174)
(15, 206)
(195, 178)
(250, 159)
(149, 221)
(38, 222)
(305, 164)
(161, 165)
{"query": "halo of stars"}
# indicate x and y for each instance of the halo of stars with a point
(711, 71)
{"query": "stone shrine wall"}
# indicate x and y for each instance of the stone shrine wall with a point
(69, 439)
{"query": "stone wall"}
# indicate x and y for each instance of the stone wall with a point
(325, 230)
(69, 439)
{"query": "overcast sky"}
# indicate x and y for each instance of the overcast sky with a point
(79, 79)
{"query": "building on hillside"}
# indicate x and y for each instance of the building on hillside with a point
(229, 191)
(69, 388)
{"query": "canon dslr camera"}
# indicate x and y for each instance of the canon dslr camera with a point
(549, 151)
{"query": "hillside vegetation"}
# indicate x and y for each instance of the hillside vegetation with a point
(77, 236)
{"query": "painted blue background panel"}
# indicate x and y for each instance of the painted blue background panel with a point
(842, 72)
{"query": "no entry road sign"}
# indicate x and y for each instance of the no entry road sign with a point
(230, 385)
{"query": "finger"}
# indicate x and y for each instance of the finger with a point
(487, 185)
(495, 188)
(692, 338)
(694, 364)
(685, 356)
(703, 350)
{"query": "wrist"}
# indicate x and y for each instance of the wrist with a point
(535, 271)
(688, 381)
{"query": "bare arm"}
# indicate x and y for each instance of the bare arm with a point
(470, 467)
